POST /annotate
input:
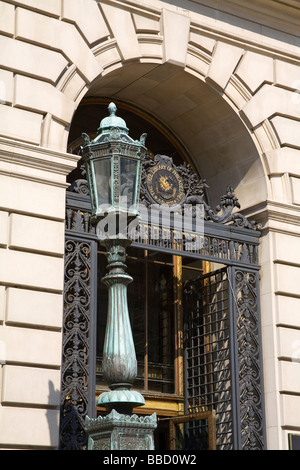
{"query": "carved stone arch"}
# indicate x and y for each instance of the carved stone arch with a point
(194, 57)
(210, 130)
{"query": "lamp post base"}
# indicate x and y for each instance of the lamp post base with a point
(120, 429)
(121, 400)
(121, 432)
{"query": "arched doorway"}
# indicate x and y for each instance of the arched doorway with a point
(83, 260)
(205, 126)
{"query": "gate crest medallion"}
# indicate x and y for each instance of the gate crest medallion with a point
(163, 182)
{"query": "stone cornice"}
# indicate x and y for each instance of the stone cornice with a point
(35, 156)
(267, 11)
(275, 216)
(278, 14)
(270, 25)
(36, 163)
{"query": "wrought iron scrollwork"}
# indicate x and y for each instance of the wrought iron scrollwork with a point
(248, 347)
(195, 192)
(194, 188)
(79, 221)
(76, 336)
(80, 185)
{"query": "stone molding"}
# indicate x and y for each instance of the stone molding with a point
(276, 216)
(255, 14)
(273, 13)
(20, 155)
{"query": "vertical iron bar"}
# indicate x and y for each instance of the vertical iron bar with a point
(249, 401)
(93, 331)
(234, 367)
(263, 410)
(146, 324)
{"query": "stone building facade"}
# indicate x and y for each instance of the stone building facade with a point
(223, 80)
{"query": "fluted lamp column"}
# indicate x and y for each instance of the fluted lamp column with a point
(113, 167)
(119, 360)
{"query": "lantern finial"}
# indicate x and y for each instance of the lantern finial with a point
(112, 109)
(112, 121)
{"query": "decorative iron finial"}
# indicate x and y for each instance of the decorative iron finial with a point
(112, 122)
(112, 109)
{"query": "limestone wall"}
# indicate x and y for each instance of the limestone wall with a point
(32, 194)
(55, 52)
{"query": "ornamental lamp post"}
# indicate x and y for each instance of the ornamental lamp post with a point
(113, 162)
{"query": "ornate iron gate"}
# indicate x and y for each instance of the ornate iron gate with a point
(223, 343)
(222, 355)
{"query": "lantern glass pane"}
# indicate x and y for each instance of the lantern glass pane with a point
(102, 171)
(129, 170)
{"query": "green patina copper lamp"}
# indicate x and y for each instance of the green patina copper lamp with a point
(113, 167)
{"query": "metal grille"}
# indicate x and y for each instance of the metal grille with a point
(248, 354)
(222, 332)
(78, 361)
(207, 351)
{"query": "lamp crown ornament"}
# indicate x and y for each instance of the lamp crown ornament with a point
(113, 163)
(112, 121)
